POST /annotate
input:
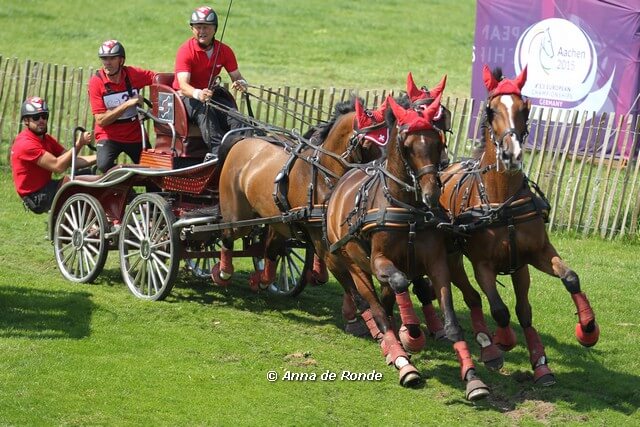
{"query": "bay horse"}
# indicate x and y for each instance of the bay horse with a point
(373, 216)
(491, 201)
(303, 177)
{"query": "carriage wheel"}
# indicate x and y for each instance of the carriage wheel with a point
(294, 261)
(79, 238)
(149, 253)
(201, 267)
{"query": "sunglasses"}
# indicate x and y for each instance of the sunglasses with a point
(37, 117)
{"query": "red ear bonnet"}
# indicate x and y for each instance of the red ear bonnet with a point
(412, 120)
(504, 86)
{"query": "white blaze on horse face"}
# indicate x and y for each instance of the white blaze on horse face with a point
(516, 149)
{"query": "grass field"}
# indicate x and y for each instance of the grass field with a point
(95, 355)
(300, 43)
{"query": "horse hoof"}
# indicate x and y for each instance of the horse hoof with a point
(543, 376)
(215, 276)
(357, 328)
(505, 338)
(440, 335)
(411, 344)
(409, 376)
(476, 390)
(492, 357)
(588, 339)
(254, 280)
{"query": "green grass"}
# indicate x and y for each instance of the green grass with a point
(299, 43)
(93, 354)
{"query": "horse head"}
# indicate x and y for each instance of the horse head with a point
(419, 147)
(339, 137)
(506, 115)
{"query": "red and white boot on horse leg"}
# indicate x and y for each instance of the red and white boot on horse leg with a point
(505, 338)
(261, 279)
(395, 355)
(354, 324)
(475, 389)
(542, 375)
(587, 329)
(433, 322)
(319, 273)
(223, 270)
(410, 333)
(490, 354)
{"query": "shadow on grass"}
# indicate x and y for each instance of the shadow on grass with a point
(38, 314)
(316, 305)
(585, 385)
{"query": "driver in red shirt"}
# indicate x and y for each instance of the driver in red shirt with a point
(114, 93)
(35, 155)
(198, 61)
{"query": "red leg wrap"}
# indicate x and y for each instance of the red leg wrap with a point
(585, 313)
(254, 280)
(505, 338)
(371, 324)
(410, 343)
(269, 272)
(391, 348)
(464, 358)
(407, 312)
(488, 350)
(434, 324)
(536, 349)
(215, 276)
(226, 263)
(477, 321)
(320, 273)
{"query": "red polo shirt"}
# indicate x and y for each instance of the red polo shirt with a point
(191, 58)
(27, 148)
(105, 95)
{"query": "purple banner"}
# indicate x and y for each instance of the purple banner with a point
(580, 54)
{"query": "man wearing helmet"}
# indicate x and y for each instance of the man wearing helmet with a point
(114, 93)
(35, 155)
(198, 61)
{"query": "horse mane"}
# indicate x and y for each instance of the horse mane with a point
(319, 132)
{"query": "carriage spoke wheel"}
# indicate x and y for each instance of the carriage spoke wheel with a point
(200, 268)
(79, 238)
(149, 255)
(293, 263)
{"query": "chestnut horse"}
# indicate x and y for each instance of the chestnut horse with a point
(503, 221)
(372, 219)
(305, 174)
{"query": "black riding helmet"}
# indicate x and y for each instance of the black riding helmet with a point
(111, 48)
(204, 15)
(33, 105)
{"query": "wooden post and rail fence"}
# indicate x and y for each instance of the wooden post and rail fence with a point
(593, 191)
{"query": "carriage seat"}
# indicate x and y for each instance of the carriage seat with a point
(169, 108)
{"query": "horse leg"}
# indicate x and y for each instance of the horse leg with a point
(378, 323)
(475, 388)
(260, 279)
(504, 337)
(223, 270)
(319, 274)
(410, 333)
(541, 373)
(424, 291)
(587, 329)
(490, 354)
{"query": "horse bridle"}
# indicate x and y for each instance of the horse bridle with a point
(424, 170)
(499, 142)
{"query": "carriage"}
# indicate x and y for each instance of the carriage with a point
(163, 211)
